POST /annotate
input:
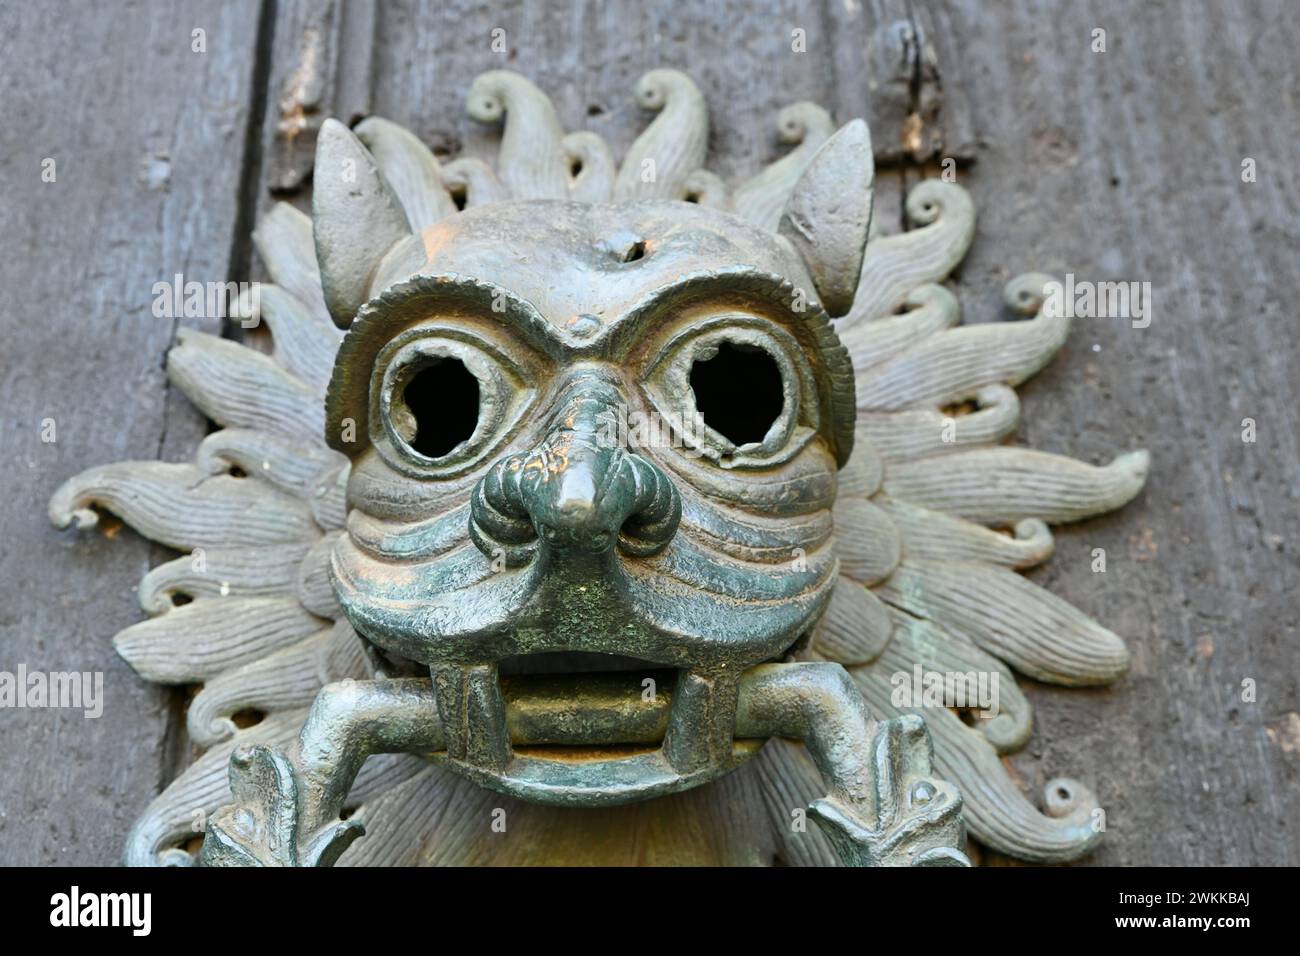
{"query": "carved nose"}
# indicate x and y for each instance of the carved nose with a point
(579, 491)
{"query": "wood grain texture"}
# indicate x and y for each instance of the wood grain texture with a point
(1126, 165)
(1122, 165)
(148, 140)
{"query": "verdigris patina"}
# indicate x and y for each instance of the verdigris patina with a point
(628, 472)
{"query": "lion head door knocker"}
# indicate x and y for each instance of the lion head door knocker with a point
(617, 474)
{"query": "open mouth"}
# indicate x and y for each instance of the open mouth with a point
(566, 705)
(586, 728)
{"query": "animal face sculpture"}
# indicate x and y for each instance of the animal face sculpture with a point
(612, 498)
(553, 526)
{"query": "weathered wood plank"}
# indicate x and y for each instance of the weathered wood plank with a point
(147, 136)
(1127, 165)
(321, 67)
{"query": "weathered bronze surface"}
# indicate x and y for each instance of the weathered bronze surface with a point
(576, 612)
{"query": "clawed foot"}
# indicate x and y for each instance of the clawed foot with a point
(914, 820)
(263, 827)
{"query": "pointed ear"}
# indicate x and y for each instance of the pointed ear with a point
(356, 219)
(829, 211)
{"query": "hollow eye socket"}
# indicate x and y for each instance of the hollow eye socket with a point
(738, 392)
(441, 402)
(734, 388)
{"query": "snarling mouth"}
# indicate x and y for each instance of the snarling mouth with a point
(588, 729)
